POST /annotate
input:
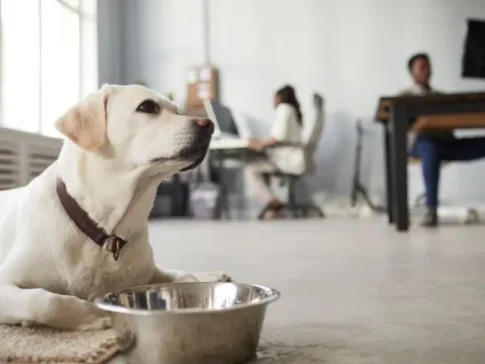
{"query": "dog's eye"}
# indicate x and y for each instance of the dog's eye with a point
(148, 107)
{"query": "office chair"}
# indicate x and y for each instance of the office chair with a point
(302, 210)
(359, 192)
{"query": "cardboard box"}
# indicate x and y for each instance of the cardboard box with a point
(202, 82)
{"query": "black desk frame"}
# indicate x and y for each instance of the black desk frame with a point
(402, 114)
(217, 158)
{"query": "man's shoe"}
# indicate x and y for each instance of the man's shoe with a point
(430, 218)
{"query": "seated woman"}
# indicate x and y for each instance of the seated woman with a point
(283, 148)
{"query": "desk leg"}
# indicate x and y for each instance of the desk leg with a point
(217, 164)
(224, 191)
(242, 187)
(388, 171)
(399, 168)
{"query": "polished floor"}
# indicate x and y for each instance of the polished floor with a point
(353, 291)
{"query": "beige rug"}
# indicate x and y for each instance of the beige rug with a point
(44, 345)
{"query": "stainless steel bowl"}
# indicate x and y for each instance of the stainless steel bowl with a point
(189, 323)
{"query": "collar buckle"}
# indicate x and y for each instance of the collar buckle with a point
(112, 244)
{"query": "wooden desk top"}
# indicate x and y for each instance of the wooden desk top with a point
(447, 122)
(386, 102)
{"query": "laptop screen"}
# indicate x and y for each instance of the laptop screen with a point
(222, 117)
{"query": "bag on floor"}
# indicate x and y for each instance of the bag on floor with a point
(205, 201)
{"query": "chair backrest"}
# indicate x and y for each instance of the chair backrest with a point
(315, 134)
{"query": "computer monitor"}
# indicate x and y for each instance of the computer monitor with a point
(222, 117)
(473, 62)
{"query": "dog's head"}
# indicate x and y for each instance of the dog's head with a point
(137, 127)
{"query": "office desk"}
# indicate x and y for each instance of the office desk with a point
(399, 115)
(222, 151)
(233, 144)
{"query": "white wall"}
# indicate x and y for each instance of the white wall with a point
(110, 30)
(352, 51)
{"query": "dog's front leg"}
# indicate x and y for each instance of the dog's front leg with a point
(174, 276)
(38, 306)
(171, 276)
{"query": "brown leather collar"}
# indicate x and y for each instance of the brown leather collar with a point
(111, 243)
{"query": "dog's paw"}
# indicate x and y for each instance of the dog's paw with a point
(186, 278)
(216, 276)
(26, 323)
(99, 323)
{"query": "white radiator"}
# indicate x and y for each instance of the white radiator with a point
(23, 156)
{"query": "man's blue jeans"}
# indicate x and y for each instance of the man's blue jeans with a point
(432, 151)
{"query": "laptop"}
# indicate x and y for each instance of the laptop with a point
(226, 133)
(224, 124)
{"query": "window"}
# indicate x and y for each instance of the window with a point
(48, 60)
(20, 62)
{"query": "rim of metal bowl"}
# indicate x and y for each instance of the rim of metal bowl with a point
(99, 302)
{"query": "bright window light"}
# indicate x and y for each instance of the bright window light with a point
(48, 60)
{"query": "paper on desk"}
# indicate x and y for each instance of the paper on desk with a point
(462, 133)
(192, 76)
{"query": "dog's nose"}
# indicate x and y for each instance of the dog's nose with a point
(204, 123)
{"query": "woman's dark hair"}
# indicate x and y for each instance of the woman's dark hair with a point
(287, 95)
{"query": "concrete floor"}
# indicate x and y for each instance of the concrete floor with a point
(353, 291)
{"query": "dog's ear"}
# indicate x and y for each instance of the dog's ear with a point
(85, 123)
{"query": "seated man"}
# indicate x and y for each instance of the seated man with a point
(434, 148)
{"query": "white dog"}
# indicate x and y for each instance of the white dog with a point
(122, 141)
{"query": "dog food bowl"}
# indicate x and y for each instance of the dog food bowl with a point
(189, 323)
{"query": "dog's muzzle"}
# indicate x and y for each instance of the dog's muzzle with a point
(198, 150)
(196, 155)
(194, 152)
